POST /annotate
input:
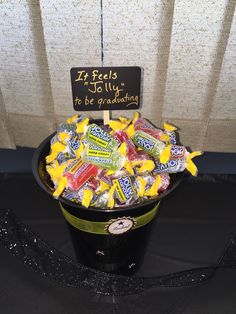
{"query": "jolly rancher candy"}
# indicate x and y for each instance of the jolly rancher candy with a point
(74, 176)
(125, 191)
(168, 135)
(151, 145)
(165, 182)
(170, 130)
(123, 137)
(96, 135)
(125, 163)
(175, 165)
(104, 158)
(85, 195)
(65, 149)
(143, 125)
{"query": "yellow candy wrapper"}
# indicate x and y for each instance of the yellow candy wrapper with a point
(153, 191)
(190, 166)
(119, 125)
(87, 198)
(168, 127)
(81, 126)
(56, 148)
(141, 185)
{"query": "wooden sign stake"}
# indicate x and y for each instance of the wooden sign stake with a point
(106, 117)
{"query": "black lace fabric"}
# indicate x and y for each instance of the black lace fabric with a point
(50, 263)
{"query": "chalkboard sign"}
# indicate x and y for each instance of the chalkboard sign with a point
(106, 88)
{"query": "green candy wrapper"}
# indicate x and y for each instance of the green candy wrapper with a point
(148, 143)
(96, 135)
(103, 158)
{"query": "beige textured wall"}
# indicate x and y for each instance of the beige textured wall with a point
(187, 49)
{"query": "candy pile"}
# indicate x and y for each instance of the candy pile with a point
(125, 162)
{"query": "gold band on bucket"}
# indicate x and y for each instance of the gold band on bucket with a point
(102, 227)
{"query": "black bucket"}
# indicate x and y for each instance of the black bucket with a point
(108, 240)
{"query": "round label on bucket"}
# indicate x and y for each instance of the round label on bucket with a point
(120, 225)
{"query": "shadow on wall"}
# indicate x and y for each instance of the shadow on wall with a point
(39, 44)
(163, 57)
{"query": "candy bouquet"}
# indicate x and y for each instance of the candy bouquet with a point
(123, 163)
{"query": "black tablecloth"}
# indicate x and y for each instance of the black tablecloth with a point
(191, 230)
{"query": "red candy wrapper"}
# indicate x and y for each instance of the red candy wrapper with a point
(79, 172)
(93, 183)
(122, 136)
(143, 125)
(165, 182)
